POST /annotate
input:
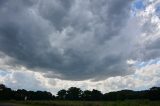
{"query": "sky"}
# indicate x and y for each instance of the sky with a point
(107, 45)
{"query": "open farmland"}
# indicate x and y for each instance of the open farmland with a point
(87, 103)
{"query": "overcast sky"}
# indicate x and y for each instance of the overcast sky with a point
(107, 45)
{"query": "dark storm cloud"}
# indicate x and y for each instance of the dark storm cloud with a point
(55, 11)
(76, 39)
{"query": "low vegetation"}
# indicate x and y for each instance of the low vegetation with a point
(88, 103)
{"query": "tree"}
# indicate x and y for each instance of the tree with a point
(154, 93)
(62, 94)
(2, 87)
(96, 95)
(20, 94)
(74, 93)
(5, 93)
(86, 95)
(111, 96)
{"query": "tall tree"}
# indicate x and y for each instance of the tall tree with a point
(86, 95)
(62, 94)
(96, 95)
(74, 93)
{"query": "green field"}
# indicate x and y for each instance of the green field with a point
(87, 103)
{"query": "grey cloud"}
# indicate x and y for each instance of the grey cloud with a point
(21, 80)
(76, 39)
(154, 44)
(113, 14)
(153, 49)
(55, 11)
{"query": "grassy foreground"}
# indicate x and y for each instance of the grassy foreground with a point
(89, 103)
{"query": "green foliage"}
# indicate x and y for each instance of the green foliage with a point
(87, 95)
(62, 94)
(89, 103)
(75, 93)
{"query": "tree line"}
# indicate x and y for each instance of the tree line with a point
(74, 93)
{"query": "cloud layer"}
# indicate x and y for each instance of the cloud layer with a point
(78, 40)
(141, 79)
(73, 40)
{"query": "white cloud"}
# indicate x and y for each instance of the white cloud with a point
(144, 78)
(131, 62)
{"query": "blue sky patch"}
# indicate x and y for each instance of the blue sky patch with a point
(150, 62)
(138, 5)
(158, 10)
(3, 73)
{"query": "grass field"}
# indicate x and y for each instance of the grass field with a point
(89, 103)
